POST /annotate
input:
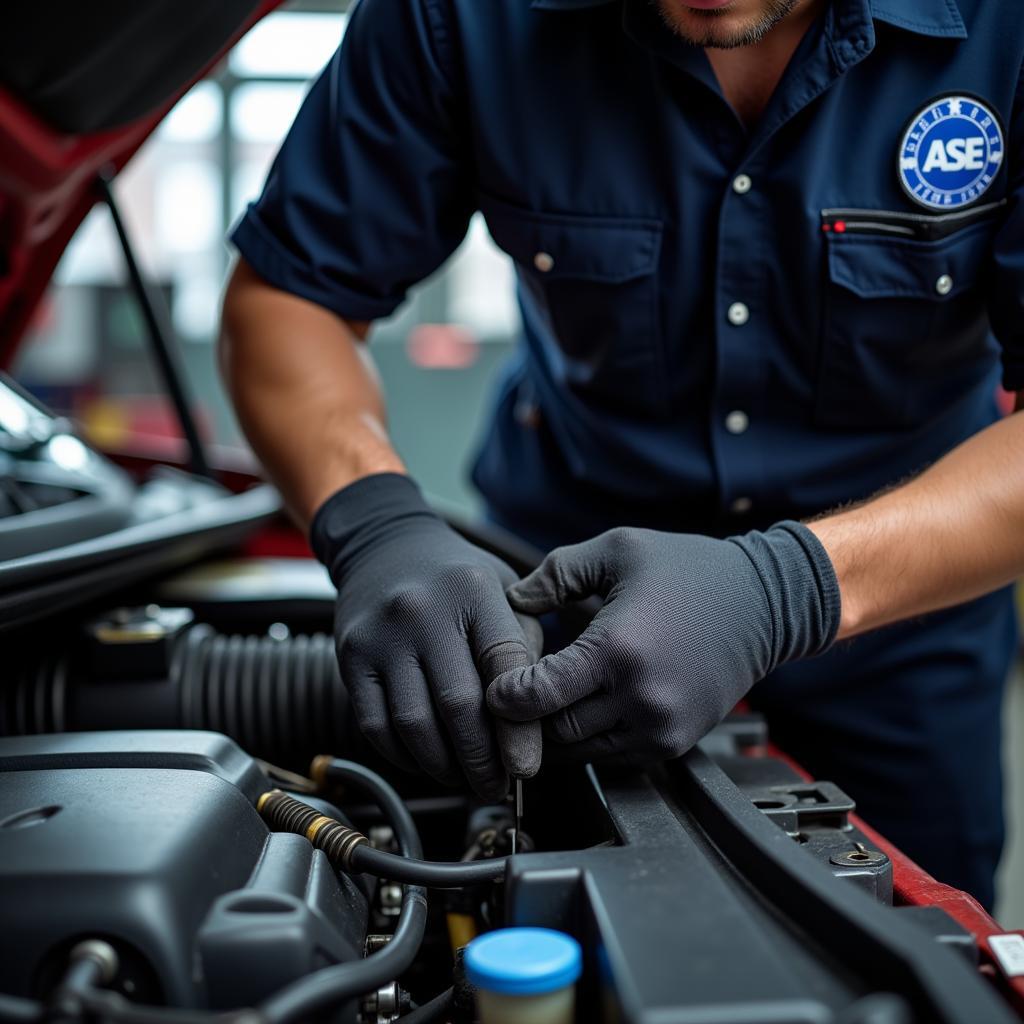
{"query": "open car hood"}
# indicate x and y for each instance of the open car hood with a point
(81, 88)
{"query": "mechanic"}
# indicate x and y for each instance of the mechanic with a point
(770, 257)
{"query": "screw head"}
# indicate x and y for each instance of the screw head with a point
(861, 857)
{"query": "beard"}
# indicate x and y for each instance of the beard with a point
(722, 28)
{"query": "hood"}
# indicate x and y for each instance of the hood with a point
(81, 88)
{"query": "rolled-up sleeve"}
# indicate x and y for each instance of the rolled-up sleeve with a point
(1006, 306)
(370, 191)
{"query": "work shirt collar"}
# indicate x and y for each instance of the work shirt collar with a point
(939, 18)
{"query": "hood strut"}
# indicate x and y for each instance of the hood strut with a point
(161, 339)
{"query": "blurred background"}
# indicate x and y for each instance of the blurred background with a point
(180, 195)
(438, 355)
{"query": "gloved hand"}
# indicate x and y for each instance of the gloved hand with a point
(689, 624)
(422, 625)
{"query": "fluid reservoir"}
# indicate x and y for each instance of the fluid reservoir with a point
(524, 976)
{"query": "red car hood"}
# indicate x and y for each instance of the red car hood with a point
(81, 88)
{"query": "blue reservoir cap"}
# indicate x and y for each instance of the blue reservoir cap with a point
(523, 961)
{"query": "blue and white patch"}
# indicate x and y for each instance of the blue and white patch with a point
(951, 153)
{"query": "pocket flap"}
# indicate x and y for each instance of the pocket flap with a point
(556, 245)
(878, 267)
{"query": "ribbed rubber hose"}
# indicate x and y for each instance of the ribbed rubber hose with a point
(279, 699)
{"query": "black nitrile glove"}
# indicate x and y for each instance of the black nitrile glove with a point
(689, 624)
(422, 626)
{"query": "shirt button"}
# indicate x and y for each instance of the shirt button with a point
(944, 285)
(738, 314)
(527, 415)
(741, 506)
(544, 262)
(741, 184)
(737, 422)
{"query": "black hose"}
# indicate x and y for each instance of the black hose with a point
(80, 997)
(410, 867)
(432, 1011)
(84, 975)
(15, 1010)
(281, 700)
(393, 806)
(432, 874)
(350, 851)
(112, 1008)
(99, 1005)
(336, 985)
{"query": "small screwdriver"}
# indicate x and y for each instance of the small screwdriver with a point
(519, 813)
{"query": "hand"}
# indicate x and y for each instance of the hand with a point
(689, 624)
(422, 626)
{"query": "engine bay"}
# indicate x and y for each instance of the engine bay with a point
(185, 797)
(194, 829)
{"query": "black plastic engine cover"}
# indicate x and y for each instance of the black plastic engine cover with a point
(151, 840)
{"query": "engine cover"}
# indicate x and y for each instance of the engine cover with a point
(151, 841)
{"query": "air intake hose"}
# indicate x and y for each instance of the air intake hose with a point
(280, 699)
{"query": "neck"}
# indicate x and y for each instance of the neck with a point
(749, 75)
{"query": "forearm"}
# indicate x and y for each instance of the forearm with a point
(304, 390)
(951, 534)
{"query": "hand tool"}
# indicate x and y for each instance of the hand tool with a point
(518, 786)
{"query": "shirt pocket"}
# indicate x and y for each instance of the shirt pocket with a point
(905, 323)
(590, 285)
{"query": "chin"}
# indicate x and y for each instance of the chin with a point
(739, 23)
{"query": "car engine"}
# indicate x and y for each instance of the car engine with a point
(193, 829)
(187, 811)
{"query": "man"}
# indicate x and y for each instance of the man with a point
(765, 250)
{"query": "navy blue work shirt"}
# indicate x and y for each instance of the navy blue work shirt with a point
(722, 326)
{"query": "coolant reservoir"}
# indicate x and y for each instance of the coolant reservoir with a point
(524, 976)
